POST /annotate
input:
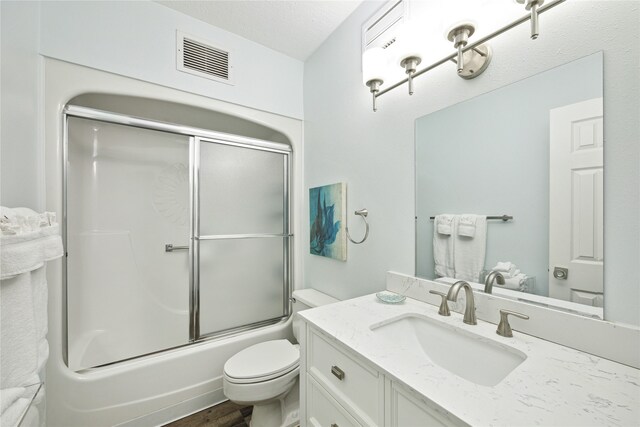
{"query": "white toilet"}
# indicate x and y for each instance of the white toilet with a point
(265, 375)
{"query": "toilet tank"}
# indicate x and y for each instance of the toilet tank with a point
(304, 299)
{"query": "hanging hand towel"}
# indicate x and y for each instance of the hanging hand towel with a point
(444, 224)
(443, 246)
(467, 225)
(469, 252)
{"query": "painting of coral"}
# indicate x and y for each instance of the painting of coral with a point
(327, 210)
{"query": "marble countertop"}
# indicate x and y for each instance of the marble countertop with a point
(554, 386)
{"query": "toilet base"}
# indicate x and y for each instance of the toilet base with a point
(280, 412)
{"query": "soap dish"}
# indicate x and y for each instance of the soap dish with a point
(390, 297)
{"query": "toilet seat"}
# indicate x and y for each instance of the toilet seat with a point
(262, 362)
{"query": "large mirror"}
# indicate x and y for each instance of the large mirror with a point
(533, 151)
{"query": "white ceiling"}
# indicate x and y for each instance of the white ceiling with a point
(295, 28)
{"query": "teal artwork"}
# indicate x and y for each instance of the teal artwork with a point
(327, 205)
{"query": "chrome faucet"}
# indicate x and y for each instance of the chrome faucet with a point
(470, 308)
(491, 277)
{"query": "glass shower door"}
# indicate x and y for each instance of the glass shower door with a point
(242, 236)
(127, 197)
(174, 235)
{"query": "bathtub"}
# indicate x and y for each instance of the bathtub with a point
(150, 390)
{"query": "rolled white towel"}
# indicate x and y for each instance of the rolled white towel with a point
(516, 283)
(444, 224)
(507, 274)
(505, 267)
(467, 225)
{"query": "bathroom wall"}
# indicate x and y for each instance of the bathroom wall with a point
(21, 164)
(130, 38)
(374, 152)
(138, 39)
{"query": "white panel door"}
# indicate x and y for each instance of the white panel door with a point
(576, 202)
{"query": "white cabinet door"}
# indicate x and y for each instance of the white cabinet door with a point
(576, 202)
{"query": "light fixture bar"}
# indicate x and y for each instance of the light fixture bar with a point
(470, 46)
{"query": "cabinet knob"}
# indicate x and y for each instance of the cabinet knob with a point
(337, 372)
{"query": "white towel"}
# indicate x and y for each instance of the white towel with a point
(508, 269)
(27, 240)
(508, 274)
(18, 343)
(443, 247)
(506, 266)
(469, 252)
(467, 225)
(444, 223)
(13, 413)
(10, 395)
(27, 252)
(23, 290)
(516, 283)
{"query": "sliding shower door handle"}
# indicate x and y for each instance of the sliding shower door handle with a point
(170, 248)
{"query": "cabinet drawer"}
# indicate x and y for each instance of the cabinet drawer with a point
(354, 384)
(405, 408)
(323, 410)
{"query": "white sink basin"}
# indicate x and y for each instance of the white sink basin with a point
(467, 355)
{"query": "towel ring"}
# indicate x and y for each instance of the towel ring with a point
(362, 213)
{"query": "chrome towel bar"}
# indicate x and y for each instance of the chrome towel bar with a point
(504, 218)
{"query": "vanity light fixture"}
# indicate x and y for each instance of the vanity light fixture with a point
(409, 47)
(460, 37)
(471, 58)
(373, 65)
(410, 64)
(374, 88)
(532, 6)
(472, 63)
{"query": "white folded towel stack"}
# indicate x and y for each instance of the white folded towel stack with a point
(27, 241)
(506, 268)
(513, 277)
(467, 225)
(469, 252)
(443, 245)
(516, 282)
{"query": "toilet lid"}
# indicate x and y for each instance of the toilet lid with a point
(266, 359)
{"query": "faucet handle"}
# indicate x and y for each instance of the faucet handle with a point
(504, 329)
(444, 307)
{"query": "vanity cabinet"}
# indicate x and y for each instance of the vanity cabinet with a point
(341, 389)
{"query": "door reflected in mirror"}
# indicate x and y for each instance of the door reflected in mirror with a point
(532, 150)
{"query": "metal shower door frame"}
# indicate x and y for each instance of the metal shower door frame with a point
(196, 237)
(196, 136)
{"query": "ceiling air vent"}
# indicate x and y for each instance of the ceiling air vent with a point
(199, 57)
(380, 29)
